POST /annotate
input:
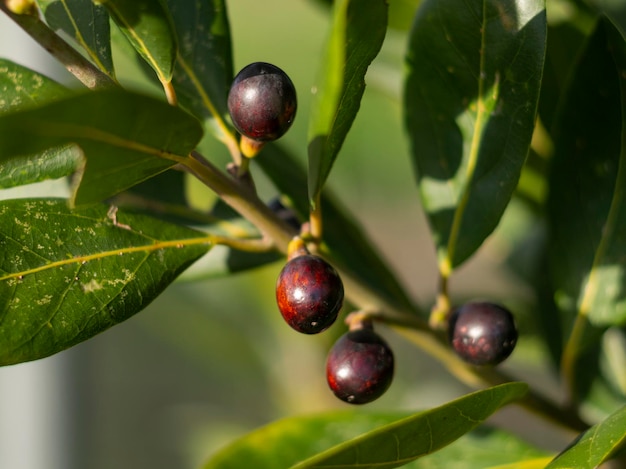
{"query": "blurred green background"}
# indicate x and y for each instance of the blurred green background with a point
(212, 359)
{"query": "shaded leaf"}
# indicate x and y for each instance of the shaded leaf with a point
(357, 34)
(564, 43)
(66, 275)
(363, 440)
(343, 235)
(586, 206)
(148, 27)
(204, 66)
(474, 73)
(22, 88)
(87, 22)
(125, 137)
(596, 445)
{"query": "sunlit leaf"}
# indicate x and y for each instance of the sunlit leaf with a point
(474, 73)
(363, 440)
(485, 447)
(87, 22)
(357, 34)
(125, 138)
(292, 439)
(66, 275)
(596, 445)
(148, 27)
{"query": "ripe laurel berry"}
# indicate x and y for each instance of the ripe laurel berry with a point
(309, 293)
(262, 102)
(360, 367)
(482, 333)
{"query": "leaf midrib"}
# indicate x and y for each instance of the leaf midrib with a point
(446, 265)
(171, 244)
(49, 128)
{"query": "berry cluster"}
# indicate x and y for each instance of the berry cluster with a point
(309, 291)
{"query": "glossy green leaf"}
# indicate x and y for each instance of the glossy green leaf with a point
(485, 447)
(343, 235)
(22, 88)
(357, 34)
(148, 27)
(470, 99)
(87, 22)
(66, 275)
(405, 440)
(125, 138)
(52, 163)
(587, 207)
(596, 445)
(204, 66)
(363, 440)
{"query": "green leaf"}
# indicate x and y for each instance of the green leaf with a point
(596, 445)
(85, 21)
(148, 27)
(586, 207)
(470, 98)
(343, 235)
(485, 447)
(22, 88)
(357, 34)
(52, 163)
(401, 13)
(204, 66)
(289, 440)
(66, 275)
(363, 440)
(126, 138)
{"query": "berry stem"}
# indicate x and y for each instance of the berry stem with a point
(170, 93)
(88, 74)
(315, 220)
(441, 310)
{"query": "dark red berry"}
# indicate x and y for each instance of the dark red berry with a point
(359, 367)
(482, 333)
(262, 102)
(309, 293)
